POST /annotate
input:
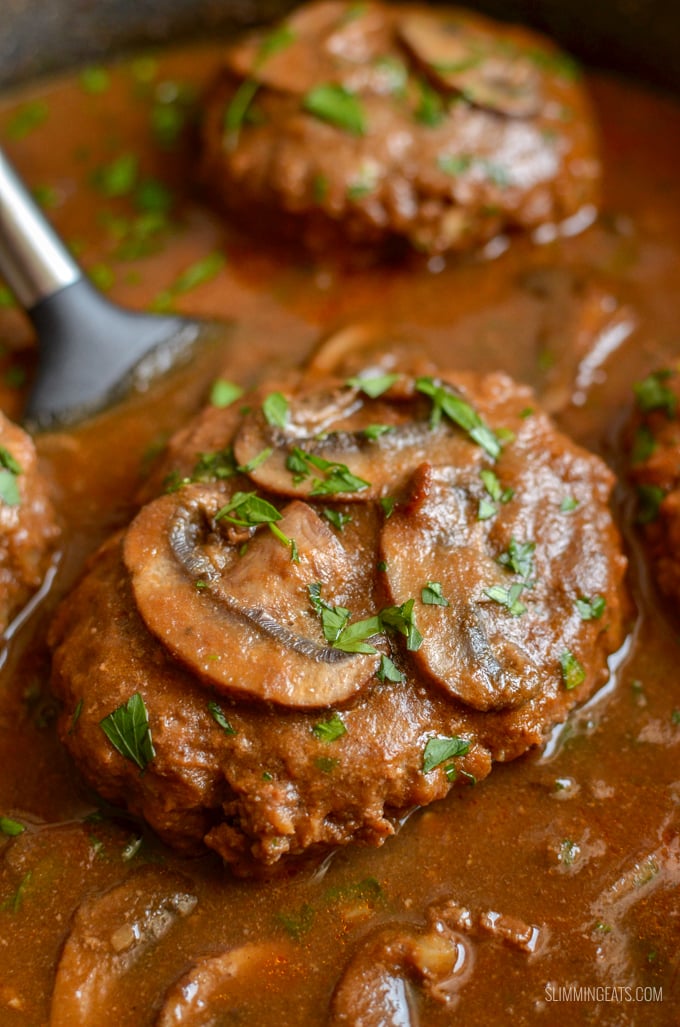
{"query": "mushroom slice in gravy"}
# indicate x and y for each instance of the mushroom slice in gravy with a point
(110, 936)
(207, 992)
(244, 623)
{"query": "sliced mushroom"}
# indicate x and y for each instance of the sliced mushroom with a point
(317, 43)
(208, 992)
(340, 435)
(244, 623)
(377, 987)
(109, 937)
(474, 647)
(481, 65)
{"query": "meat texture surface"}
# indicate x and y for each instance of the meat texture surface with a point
(655, 473)
(28, 530)
(379, 124)
(355, 592)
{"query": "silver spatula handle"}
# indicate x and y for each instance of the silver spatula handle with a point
(33, 260)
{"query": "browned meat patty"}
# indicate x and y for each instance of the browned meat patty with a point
(655, 472)
(364, 590)
(377, 124)
(28, 530)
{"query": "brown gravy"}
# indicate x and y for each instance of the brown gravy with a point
(581, 840)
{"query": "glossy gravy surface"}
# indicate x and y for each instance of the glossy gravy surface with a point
(581, 840)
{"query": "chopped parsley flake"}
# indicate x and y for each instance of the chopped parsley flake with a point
(247, 509)
(11, 828)
(297, 924)
(94, 80)
(508, 597)
(650, 498)
(568, 504)
(326, 764)
(256, 461)
(373, 385)
(644, 444)
(402, 619)
(431, 595)
(127, 728)
(336, 477)
(336, 517)
(217, 713)
(388, 503)
(330, 730)
(118, 178)
(654, 394)
(573, 673)
(486, 510)
(591, 609)
(275, 409)
(439, 750)
(518, 558)
(10, 469)
(388, 671)
(445, 401)
(337, 106)
(430, 110)
(374, 431)
(223, 393)
(29, 117)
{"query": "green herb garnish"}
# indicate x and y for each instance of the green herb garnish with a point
(217, 713)
(653, 394)
(223, 393)
(445, 401)
(650, 498)
(11, 828)
(10, 469)
(508, 597)
(29, 117)
(119, 177)
(373, 385)
(439, 750)
(94, 80)
(330, 730)
(337, 106)
(518, 558)
(374, 431)
(127, 728)
(573, 673)
(388, 671)
(336, 477)
(336, 517)
(431, 595)
(275, 409)
(591, 609)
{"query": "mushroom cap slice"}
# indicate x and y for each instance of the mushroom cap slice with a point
(109, 937)
(208, 991)
(341, 443)
(482, 65)
(474, 647)
(244, 623)
(316, 43)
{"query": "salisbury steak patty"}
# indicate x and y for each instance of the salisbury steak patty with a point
(365, 590)
(374, 123)
(28, 528)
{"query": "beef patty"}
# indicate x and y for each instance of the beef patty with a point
(28, 529)
(377, 124)
(355, 592)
